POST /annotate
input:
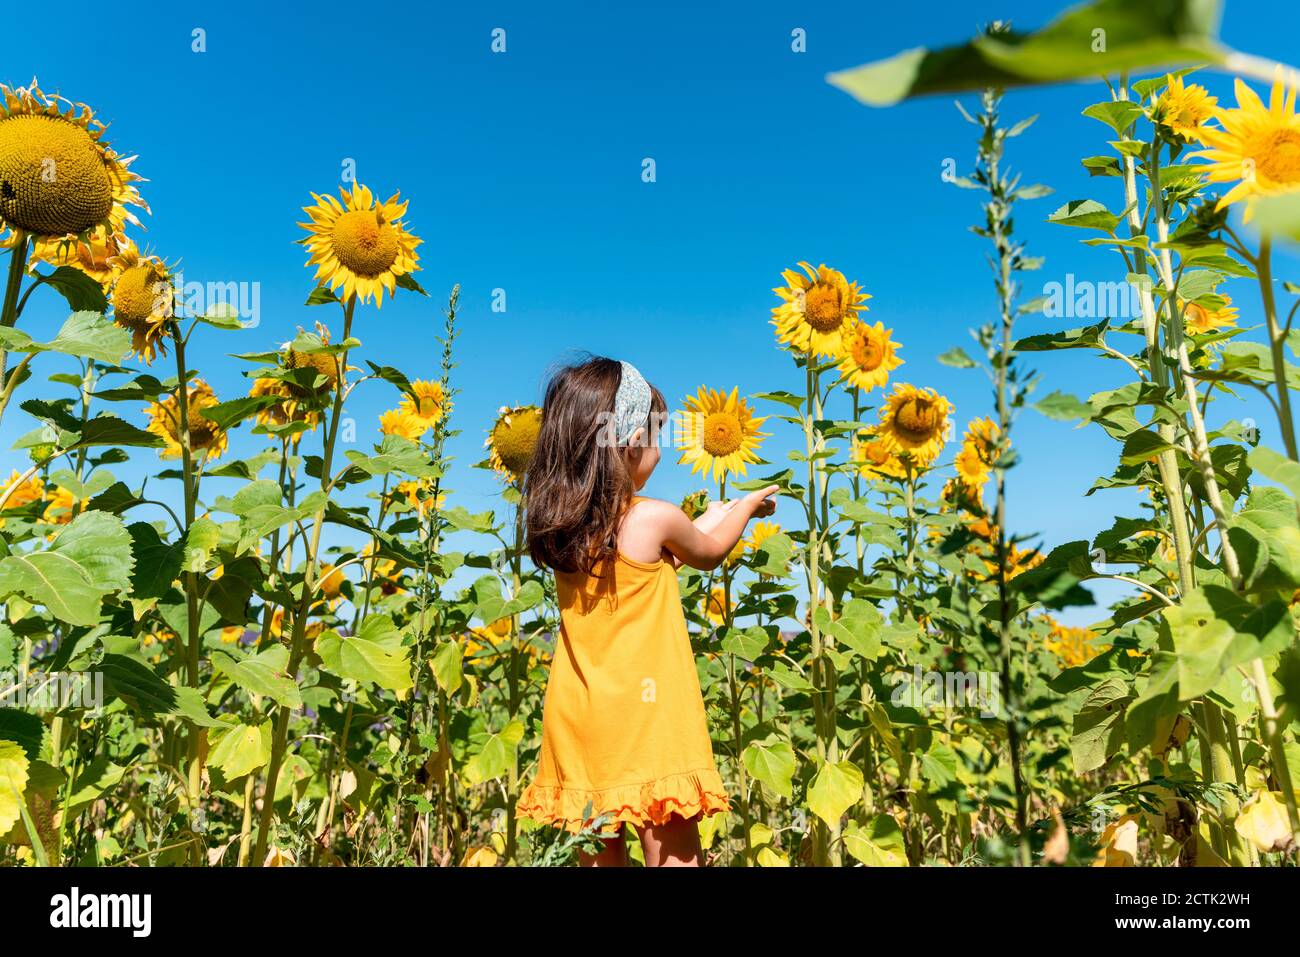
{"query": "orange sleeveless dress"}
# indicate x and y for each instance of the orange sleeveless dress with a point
(623, 726)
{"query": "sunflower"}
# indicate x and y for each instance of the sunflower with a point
(868, 355)
(288, 410)
(143, 300)
(875, 457)
(975, 460)
(398, 422)
(232, 634)
(957, 494)
(1185, 109)
(761, 532)
(915, 422)
(205, 435)
(95, 253)
(817, 309)
(359, 244)
(1258, 146)
(715, 606)
(58, 177)
(415, 494)
(1199, 320)
(331, 581)
(1072, 646)
(512, 440)
(429, 403)
(719, 433)
(325, 364)
(32, 490)
(695, 504)
(60, 507)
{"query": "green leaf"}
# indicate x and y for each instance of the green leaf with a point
(1102, 38)
(1087, 214)
(1086, 337)
(879, 845)
(264, 673)
(1063, 407)
(374, 655)
(1279, 468)
(81, 292)
(496, 755)
(745, 643)
(836, 788)
(1119, 115)
(13, 783)
(157, 563)
(958, 359)
(1215, 630)
(242, 749)
(137, 685)
(88, 560)
(446, 665)
(1099, 725)
(772, 764)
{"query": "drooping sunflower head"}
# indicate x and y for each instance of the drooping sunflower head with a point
(1184, 109)
(1201, 319)
(868, 355)
(1258, 146)
(957, 494)
(816, 309)
(206, 437)
(403, 423)
(978, 453)
(718, 433)
(512, 440)
(324, 365)
(915, 422)
(428, 404)
(58, 177)
(875, 457)
(360, 244)
(288, 410)
(143, 297)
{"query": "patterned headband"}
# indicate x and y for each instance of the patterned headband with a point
(631, 404)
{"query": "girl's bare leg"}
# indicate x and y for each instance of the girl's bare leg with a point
(675, 844)
(613, 854)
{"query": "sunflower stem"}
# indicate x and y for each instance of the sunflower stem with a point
(9, 312)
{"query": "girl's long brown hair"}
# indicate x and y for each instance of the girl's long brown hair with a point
(578, 483)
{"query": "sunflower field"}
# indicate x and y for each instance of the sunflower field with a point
(208, 670)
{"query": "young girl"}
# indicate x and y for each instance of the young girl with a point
(623, 727)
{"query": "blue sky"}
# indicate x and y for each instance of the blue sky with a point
(523, 171)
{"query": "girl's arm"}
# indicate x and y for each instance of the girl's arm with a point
(704, 543)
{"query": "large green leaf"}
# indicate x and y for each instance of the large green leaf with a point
(773, 764)
(836, 788)
(242, 749)
(878, 845)
(265, 673)
(374, 655)
(1099, 725)
(137, 684)
(1215, 630)
(1090, 40)
(494, 758)
(88, 560)
(13, 783)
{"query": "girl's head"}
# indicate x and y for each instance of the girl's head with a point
(598, 444)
